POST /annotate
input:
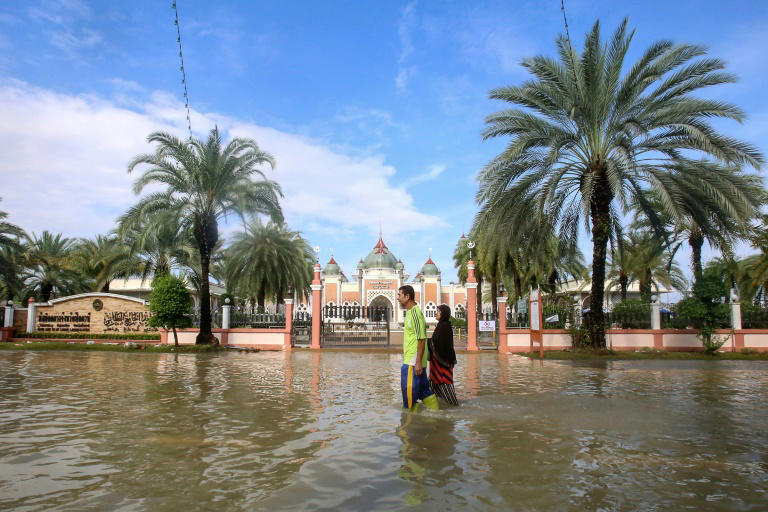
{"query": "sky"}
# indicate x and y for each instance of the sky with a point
(372, 110)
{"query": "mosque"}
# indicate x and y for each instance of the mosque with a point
(376, 280)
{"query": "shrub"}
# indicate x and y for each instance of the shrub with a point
(458, 322)
(170, 304)
(579, 337)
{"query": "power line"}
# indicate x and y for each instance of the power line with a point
(570, 46)
(183, 72)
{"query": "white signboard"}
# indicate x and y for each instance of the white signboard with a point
(487, 325)
(534, 316)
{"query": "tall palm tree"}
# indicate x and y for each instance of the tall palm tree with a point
(268, 261)
(587, 141)
(205, 181)
(50, 266)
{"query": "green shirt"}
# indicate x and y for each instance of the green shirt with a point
(415, 330)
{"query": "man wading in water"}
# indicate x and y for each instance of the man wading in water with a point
(413, 374)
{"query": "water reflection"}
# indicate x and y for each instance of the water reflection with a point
(325, 430)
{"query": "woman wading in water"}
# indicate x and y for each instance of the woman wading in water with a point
(442, 357)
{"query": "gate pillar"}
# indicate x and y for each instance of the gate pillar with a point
(287, 343)
(471, 307)
(317, 320)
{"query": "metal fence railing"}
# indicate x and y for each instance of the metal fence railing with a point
(256, 320)
(754, 317)
(215, 318)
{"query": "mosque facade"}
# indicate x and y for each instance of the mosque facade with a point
(377, 278)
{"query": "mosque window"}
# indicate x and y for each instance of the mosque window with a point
(430, 310)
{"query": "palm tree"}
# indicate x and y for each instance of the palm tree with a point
(11, 260)
(587, 141)
(268, 261)
(100, 259)
(50, 266)
(157, 245)
(205, 181)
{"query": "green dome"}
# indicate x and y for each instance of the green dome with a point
(380, 257)
(332, 268)
(399, 265)
(429, 268)
(360, 265)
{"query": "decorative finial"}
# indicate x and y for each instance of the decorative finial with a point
(470, 246)
(317, 253)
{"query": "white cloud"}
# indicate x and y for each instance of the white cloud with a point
(404, 27)
(65, 158)
(434, 171)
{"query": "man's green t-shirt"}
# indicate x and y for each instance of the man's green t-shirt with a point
(415, 330)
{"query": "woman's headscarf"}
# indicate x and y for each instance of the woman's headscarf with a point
(442, 338)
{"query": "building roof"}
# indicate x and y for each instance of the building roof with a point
(430, 269)
(332, 268)
(380, 257)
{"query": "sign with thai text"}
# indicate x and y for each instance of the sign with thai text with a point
(63, 322)
(486, 325)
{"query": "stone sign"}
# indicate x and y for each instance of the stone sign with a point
(379, 285)
(93, 312)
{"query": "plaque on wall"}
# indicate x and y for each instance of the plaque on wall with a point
(97, 304)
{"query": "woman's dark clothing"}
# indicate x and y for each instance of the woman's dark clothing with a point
(442, 359)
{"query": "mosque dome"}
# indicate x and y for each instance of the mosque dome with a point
(332, 268)
(380, 257)
(429, 268)
(399, 265)
(360, 265)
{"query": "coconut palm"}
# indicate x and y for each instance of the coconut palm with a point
(205, 181)
(50, 266)
(588, 139)
(268, 261)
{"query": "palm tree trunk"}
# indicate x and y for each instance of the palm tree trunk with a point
(494, 294)
(696, 241)
(45, 292)
(206, 232)
(205, 336)
(624, 284)
(645, 286)
(600, 206)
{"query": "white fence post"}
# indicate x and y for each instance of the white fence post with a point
(8, 321)
(735, 310)
(31, 315)
(226, 311)
(655, 313)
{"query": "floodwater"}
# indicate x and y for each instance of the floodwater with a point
(325, 431)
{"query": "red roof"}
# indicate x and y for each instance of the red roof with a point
(430, 262)
(332, 261)
(380, 247)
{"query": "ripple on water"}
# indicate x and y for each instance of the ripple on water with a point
(307, 431)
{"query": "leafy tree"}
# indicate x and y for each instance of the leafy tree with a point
(268, 261)
(170, 304)
(205, 181)
(586, 141)
(706, 310)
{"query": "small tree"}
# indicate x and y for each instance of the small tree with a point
(706, 310)
(170, 304)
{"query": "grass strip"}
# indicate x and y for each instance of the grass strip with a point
(602, 355)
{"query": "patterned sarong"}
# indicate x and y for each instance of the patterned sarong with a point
(441, 380)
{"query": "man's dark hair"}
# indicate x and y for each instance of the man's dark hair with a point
(408, 290)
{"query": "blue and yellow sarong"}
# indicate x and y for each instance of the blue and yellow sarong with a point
(415, 387)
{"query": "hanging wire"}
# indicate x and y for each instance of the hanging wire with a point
(570, 48)
(183, 72)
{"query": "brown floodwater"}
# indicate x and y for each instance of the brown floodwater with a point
(325, 431)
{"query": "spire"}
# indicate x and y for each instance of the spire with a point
(332, 261)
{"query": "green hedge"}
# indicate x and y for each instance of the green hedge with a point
(89, 335)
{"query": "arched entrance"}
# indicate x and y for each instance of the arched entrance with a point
(382, 302)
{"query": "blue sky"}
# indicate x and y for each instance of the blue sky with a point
(373, 110)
